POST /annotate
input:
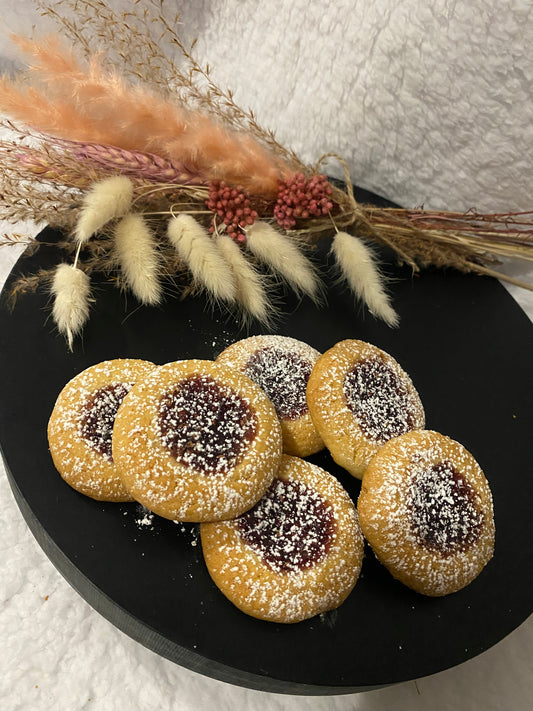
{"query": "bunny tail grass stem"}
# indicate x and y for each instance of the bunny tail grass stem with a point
(284, 258)
(136, 253)
(250, 293)
(356, 263)
(201, 255)
(71, 291)
(107, 199)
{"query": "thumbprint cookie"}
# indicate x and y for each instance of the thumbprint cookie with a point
(426, 510)
(81, 425)
(281, 366)
(359, 397)
(297, 553)
(197, 441)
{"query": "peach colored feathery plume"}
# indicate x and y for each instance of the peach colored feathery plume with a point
(93, 105)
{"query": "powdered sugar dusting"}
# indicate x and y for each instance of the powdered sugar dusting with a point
(283, 376)
(206, 425)
(444, 513)
(210, 478)
(291, 527)
(379, 399)
(97, 416)
(280, 365)
(81, 424)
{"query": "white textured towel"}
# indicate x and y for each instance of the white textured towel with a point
(429, 103)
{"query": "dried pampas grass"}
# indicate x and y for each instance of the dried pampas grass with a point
(200, 253)
(356, 263)
(71, 290)
(250, 292)
(79, 101)
(283, 257)
(108, 199)
(136, 253)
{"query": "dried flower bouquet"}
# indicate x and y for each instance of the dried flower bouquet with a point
(155, 175)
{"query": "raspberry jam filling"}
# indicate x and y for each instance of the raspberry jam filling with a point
(283, 376)
(98, 413)
(444, 515)
(380, 402)
(291, 527)
(206, 425)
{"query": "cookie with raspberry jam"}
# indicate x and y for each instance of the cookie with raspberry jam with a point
(281, 366)
(81, 425)
(359, 397)
(197, 441)
(296, 554)
(426, 510)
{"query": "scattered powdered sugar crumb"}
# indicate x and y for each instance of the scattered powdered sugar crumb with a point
(191, 531)
(222, 340)
(145, 518)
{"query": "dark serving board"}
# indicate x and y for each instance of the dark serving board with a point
(467, 346)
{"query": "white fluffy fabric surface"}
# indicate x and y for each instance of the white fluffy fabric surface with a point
(430, 103)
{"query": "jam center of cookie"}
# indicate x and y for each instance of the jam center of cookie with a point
(206, 425)
(291, 527)
(98, 413)
(283, 376)
(379, 400)
(443, 511)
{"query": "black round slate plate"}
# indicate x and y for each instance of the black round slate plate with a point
(466, 344)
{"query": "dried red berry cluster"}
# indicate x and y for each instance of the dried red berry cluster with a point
(233, 207)
(302, 197)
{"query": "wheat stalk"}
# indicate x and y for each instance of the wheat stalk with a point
(137, 164)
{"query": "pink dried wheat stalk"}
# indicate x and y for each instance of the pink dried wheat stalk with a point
(135, 164)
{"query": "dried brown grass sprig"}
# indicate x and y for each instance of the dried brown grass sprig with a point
(20, 200)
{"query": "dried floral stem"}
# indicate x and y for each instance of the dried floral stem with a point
(126, 116)
(136, 40)
(46, 165)
(20, 201)
(15, 238)
(137, 164)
